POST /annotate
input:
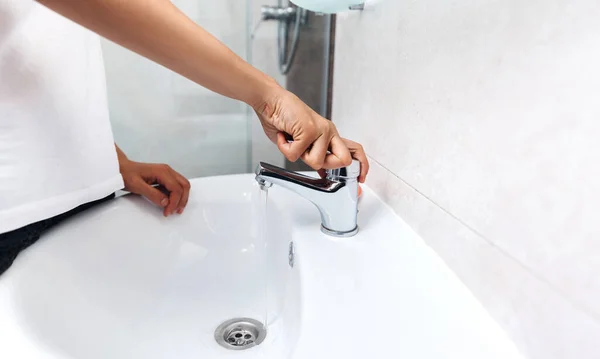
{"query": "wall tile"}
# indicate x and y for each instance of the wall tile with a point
(488, 110)
(537, 318)
(496, 125)
(378, 176)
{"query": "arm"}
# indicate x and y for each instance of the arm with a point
(157, 30)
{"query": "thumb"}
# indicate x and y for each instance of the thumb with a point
(153, 194)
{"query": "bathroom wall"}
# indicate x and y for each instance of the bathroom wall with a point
(159, 116)
(263, 55)
(482, 119)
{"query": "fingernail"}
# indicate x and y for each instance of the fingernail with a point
(180, 210)
(164, 202)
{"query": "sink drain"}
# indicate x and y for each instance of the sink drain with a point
(240, 333)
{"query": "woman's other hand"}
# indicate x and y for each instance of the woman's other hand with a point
(140, 178)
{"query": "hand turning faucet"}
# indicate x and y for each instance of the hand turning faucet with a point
(336, 196)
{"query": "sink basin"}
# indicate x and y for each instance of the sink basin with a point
(121, 282)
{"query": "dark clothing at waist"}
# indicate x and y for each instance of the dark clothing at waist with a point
(13, 242)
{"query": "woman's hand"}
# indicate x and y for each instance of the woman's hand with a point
(309, 136)
(139, 178)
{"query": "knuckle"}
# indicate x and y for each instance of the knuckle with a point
(176, 190)
(292, 157)
(314, 165)
(324, 127)
(346, 160)
(317, 163)
(331, 127)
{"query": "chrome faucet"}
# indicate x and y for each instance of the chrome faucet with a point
(336, 196)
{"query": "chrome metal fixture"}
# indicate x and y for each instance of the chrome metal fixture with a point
(335, 196)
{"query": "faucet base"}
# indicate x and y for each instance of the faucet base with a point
(339, 234)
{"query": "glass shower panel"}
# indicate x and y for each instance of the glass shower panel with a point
(294, 46)
(159, 116)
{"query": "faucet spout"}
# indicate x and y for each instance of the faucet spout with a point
(336, 197)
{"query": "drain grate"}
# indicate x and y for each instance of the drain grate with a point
(240, 333)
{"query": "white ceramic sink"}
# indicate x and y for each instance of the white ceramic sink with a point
(122, 282)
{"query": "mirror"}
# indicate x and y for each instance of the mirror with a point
(326, 6)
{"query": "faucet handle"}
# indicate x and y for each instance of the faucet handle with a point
(349, 172)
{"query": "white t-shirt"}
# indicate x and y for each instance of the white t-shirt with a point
(56, 143)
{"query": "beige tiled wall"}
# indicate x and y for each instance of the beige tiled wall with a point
(482, 120)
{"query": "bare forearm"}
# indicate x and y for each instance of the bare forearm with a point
(156, 29)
